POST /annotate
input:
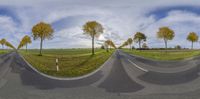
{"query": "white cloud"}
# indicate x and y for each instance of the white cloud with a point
(121, 19)
(181, 22)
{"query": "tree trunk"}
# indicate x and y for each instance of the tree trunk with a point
(192, 46)
(107, 49)
(139, 44)
(26, 47)
(93, 45)
(130, 47)
(165, 43)
(41, 46)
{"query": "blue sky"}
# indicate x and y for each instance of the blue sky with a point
(120, 19)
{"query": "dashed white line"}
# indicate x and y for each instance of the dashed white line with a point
(145, 70)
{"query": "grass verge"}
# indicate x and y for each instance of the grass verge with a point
(164, 55)
(4, 51)
(72, 62)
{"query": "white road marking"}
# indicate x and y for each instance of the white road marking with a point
(145, 70)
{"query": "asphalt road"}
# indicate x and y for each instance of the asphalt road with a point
(123, 76)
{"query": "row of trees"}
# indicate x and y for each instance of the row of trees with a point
(164, 33)
(4, 42)
(44, 31)
(108, 44)
(138, 38)
(40, 31)
(94, 29)
(24, 42)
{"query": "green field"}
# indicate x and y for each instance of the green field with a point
(4, 51)
(164, 55)
(72, 62)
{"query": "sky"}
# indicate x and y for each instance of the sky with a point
(121, 19)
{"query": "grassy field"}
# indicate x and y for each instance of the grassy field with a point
(163, 55)
(5, 51)
(72, 62)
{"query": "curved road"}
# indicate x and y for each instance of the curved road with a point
(122, 77)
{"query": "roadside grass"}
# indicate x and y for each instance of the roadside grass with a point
(164, 55)
(4, 51)
(72, 62)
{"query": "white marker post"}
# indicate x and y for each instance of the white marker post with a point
(57, 67)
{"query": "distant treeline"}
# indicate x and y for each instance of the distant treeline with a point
(161, 48)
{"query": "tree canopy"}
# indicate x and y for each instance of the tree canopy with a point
(8, 44)
(42, 30)
(139, 37)
(130, 40)
(93, 28)
(165, 33)
(193, 37)
(124, 44)
(110, 43)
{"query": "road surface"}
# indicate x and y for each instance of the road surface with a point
(123, 76)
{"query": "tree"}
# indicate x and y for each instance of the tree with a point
(20, 45)
(8, 44)
(24, 42)
(166, 34)
(130, 41)
(124, 44)
(109, 43)
(3, 42)
(139, 37)
(102, 47)
(112, 44)
(42, 31)
(177, 47)
(192, 37)
(93, 29)
(27, 40)
(144, 45)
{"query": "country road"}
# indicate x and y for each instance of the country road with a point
(123, 76)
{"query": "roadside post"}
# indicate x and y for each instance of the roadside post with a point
(57, 67)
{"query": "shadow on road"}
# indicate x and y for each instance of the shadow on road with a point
(161, 64)
(170, 78)
(30, 78)
(118, 81)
